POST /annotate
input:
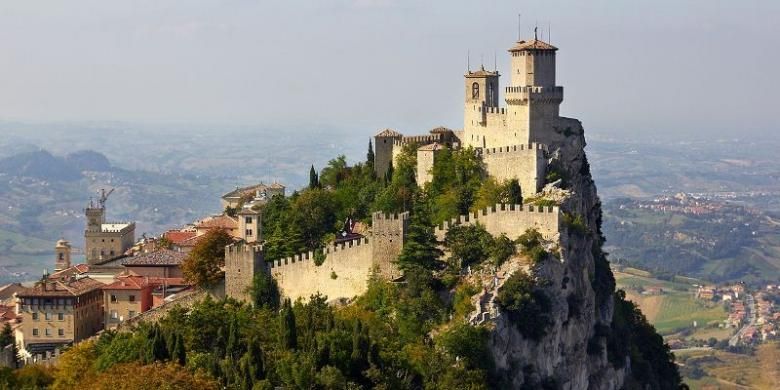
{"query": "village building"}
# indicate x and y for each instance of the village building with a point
(127, 297)
(103, 240)
(239, 196)
(56, 313)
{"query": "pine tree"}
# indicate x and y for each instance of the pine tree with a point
(421, 248)
(234, 345)
(159, 350)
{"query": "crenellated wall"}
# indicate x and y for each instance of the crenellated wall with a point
(343, 274)
(526, 163)
(510, 219)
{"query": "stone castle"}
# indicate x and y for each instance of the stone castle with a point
(103, 240)
(513, 144)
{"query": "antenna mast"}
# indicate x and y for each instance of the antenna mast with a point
(519, 31)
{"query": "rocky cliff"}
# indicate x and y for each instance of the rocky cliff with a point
(568, 356)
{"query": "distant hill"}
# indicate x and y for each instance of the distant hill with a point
(40, 165)
(88, 160)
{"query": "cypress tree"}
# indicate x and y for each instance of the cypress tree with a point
(314, 180)
(370, 154)
(180, 354)
(159, 350)
(288, 338)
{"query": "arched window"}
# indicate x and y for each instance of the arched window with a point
(475, 91)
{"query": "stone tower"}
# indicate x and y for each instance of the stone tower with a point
(383, 150)
(533, 100)
(388, 233)
(96, 216)
(426, 156)
(481, 92)
(62, 251)
(242, 262)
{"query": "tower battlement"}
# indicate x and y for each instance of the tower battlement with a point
(534, 146)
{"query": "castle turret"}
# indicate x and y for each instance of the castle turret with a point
(481, 93)
(388, 233)
(383, 150)
(62, 253)
(426, 156)
(533, 99)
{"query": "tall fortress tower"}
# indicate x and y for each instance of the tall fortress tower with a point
(532, 100)
(512, 138)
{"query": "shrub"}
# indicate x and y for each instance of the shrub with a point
(575, 224)
(531, 245)
(319, 257)
(527, 306)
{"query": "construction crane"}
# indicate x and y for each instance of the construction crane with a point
(104, 196)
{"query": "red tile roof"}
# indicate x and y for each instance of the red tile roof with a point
(534, 44)
(177, 236)
(128, 282)
(63, 287)
(220, 222)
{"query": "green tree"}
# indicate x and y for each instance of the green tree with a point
(265, 291)
(288, 338)
(514, 193)
(421, 248)
(468, 244)
(527, 306)
(314, 181)
(202, 265)
(370, 156)
(314, 212)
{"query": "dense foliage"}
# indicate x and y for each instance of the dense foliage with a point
(202, 265)
(526, 304)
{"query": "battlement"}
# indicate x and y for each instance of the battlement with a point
(492, 110)
(334, 248)
(380, 216)
(510, 219)
(112, 227)
(522, 95)
(239, 248)
(516, 148)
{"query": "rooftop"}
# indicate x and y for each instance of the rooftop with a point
(250, 190)
(128, 282)
(107, 227)
(481, 73)
(389, 133)
(62, 287)
(534, 44)
(77, 269)
(219, 222)
(160, 257)
(177, 236)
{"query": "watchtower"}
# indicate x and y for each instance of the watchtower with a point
(533, 100)
(384, 143)
(388, 233)
(242, 262)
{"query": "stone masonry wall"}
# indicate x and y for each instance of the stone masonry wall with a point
(343, 274)
(512, 220)
(526, 163)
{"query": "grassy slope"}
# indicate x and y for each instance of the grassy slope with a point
(732, 371)
(674, 309)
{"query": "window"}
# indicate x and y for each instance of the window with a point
(111, 253)
(475, 91)
(60, 332)
(60, 316)
(35, 316)
(35, 331)
(47, 316)
(248, 219)
(47, 331)
(131, 314)
(62, 256)
(248, 232)
(114, 314)
(113, 298)
(131, 298)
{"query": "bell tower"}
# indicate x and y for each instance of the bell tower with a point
(62, 251)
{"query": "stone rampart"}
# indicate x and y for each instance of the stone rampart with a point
(510, 219)
(526, 163)
(343, 274)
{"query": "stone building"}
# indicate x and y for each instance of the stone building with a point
(512, 139)
(127, 297)
(239, 196)
(56, 313)
(103, 240)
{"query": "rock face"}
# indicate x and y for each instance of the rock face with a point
(560, 359)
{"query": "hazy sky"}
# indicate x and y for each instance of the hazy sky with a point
(659, 67)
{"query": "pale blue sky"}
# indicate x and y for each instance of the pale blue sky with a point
(660, 67)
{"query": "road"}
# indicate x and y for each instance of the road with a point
(750, 312)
